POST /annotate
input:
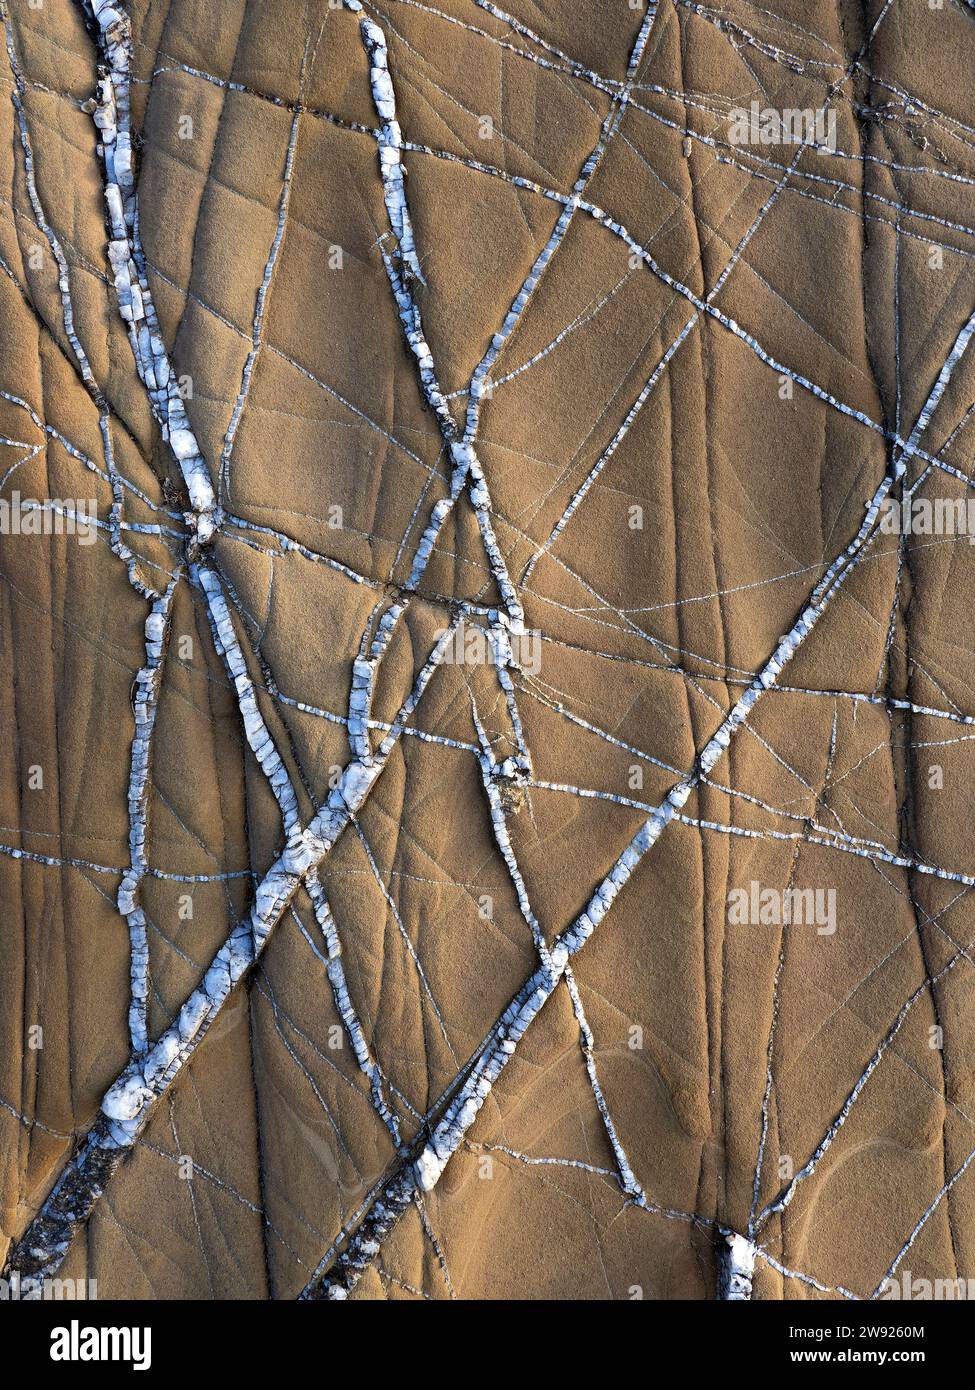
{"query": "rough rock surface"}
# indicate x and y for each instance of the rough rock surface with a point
(487, 787)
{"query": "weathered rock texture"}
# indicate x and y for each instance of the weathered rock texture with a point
(491, 634)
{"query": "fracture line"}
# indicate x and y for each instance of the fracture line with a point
(146, 706)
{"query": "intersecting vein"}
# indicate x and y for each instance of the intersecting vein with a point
(417, 1166)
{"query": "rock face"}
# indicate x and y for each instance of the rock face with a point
(488, 690)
